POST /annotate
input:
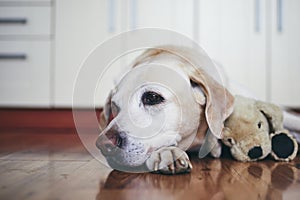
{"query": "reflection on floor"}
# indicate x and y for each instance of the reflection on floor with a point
(55, 165)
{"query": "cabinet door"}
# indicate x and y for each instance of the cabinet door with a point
(176, 15)
(80, 27)
(25, 73)
(285, 52)
(209, 27)
(233, 33)
(243, 44)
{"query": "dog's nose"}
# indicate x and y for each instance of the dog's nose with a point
(255, 152)
(109, 142)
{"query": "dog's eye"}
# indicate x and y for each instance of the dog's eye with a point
(152, 98)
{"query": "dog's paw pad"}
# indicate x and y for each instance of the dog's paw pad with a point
(169, 160)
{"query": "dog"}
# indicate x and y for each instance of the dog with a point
(166, 105)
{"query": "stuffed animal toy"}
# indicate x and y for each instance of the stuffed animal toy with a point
(255, 129)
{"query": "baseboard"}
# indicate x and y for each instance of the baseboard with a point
(44, 118)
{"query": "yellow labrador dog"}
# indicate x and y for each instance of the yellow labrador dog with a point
(167, 104)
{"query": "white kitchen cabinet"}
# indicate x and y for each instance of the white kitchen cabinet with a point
(233, 33)
(25, 54)
(258, 44)
(243, 50)
(25, 73)
(174, 15)
(209, 27)
(47, 48)
(80, 27)
(285, 52)
(237, 34)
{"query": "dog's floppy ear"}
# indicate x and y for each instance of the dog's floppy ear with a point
(284, 146)
(273, 114)
(219, 101)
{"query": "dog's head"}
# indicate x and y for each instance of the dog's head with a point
(159, 103)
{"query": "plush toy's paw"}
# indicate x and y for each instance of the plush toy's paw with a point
(284, 146)
(169, 160)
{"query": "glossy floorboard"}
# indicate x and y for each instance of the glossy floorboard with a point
(54, 165)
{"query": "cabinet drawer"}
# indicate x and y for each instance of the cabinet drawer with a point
(25, 73)
(25, 20)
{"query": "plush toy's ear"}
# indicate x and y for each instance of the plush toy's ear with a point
(273, 114)
(219, 102)
(284, 146)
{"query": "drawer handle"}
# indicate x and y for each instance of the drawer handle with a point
(13, 56)
(133, 15)
(111, 16)
(13, 20)
(257, 16)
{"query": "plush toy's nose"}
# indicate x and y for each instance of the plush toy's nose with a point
(255, 152)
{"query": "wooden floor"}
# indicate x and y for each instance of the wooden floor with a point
(52, 164)
(41, 157)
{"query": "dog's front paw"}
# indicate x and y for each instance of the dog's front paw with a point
(169, 160)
